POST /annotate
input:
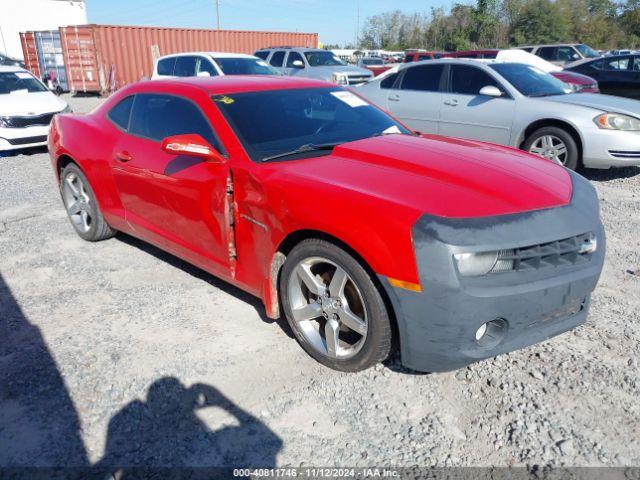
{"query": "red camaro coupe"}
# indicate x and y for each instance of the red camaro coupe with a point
(365, 235)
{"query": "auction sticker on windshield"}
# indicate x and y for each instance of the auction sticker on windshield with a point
(350, 99)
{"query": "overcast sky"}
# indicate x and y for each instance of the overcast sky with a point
(334, 20)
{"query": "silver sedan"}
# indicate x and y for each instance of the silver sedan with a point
(511, 104)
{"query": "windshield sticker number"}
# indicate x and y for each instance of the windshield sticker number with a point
(350, 99)
(223, 99)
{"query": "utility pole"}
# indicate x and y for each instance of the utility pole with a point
(218, 13)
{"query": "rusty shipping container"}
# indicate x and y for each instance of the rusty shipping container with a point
(103, 58)
(30, 53)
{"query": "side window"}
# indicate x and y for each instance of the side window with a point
(277, 58)
(567, 54)
(165, 66)
(121, 112)
(389, 81)
(425, 78)
(159, 116)
(597, 65)
(468, 80)
(548, 53)
(185, 67)
(293, 56)
(205, 65)
(636, 64)
(617, 64)
(527, 49)
(263, 54)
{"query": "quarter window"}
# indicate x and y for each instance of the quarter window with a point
(157, 117)
(425, 78)
(165, 66)
(185, 67)
(548, 53)
(277, 59)
(121, 112)
(468, 80)
(263, 54)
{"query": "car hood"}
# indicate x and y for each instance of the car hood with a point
(28, 104)
(605, 103)
(441, 176)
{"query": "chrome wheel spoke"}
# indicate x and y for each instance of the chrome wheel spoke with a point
(307, 312)
(74, 208)
(352, 321)
(314, 285)
(331, 332)
(85, 219)
(338, 281)
(74, 190)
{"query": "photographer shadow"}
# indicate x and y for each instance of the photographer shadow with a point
(166, 431)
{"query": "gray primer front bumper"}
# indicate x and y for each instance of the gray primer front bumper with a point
(437, 327)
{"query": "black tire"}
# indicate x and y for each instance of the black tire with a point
(376, 345)
(572, 160)
(98, 227)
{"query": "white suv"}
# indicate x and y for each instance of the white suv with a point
(210, 64)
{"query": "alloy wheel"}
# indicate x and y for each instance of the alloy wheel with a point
(77, 202)
(551, 148)
(327, 308)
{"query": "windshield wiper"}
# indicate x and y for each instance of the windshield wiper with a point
(307, 147)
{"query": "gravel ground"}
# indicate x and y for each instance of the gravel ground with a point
(117, 353)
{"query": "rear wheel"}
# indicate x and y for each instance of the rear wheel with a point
(333, 307)
(81, 205)
(555, 144)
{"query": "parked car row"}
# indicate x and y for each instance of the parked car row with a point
(511, 104)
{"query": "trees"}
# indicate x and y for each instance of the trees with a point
(500, 23)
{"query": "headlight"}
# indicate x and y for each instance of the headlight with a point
(481, 263)
(4, 122)
(617, 121)
(340, 78)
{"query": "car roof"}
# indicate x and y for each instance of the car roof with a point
(228, 84)
(306, 49)
(209, 54)
(12, 68)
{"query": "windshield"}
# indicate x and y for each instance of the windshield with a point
(274, 122)
(531, 81)
(321, 58)
(587, 51)
(372, 61)
(245, 66)
(19, 82)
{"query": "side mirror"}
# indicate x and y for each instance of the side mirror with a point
(490, 91)
(298, 64)
(203, 74)
(192, 145)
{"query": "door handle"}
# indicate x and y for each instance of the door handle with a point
(394, 98)
(123, 157)
(452, 103)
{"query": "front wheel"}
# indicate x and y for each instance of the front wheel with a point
(81, 205)
(555, 144)
(333, 307)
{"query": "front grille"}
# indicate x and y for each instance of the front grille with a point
(22, 122)
(569, 251)
(625, 153)
(356, 79)
(27, 140)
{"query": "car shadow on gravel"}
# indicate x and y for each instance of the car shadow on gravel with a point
(597, 175)
(206, 277)
(39, 425)
(166, 432)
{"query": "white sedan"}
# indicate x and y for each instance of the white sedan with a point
(26, 109)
